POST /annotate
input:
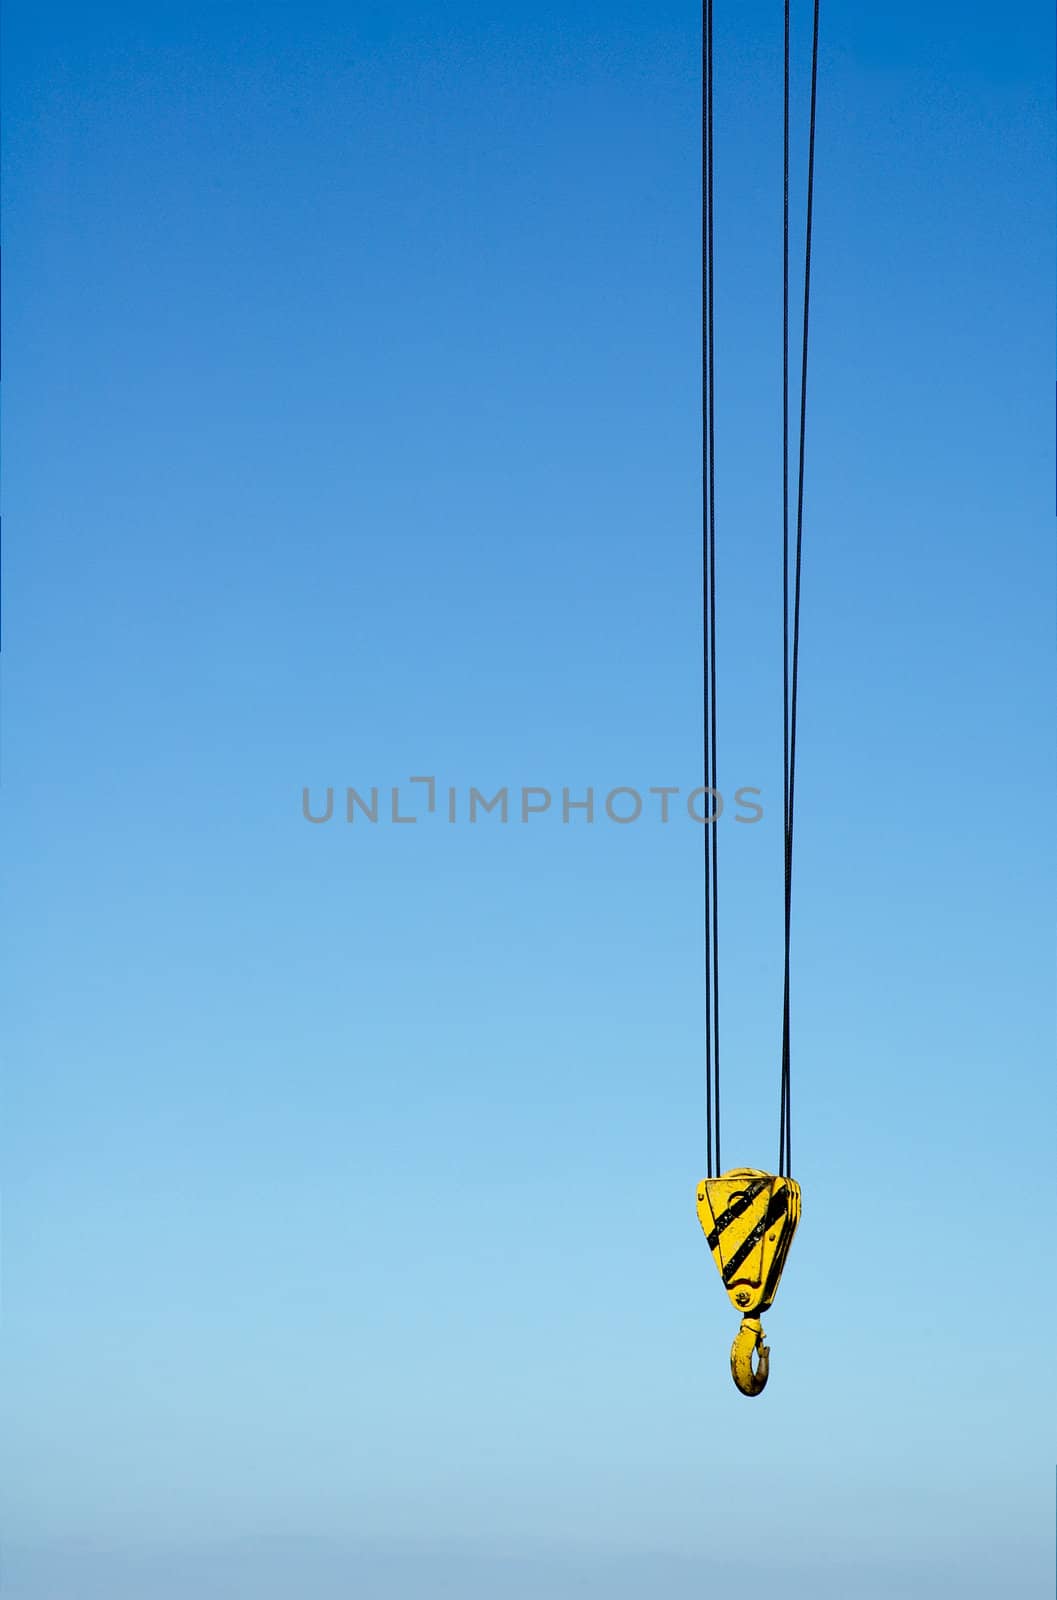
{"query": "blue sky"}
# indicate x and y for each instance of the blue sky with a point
(351, 421)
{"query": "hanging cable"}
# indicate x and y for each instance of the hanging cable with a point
(783, 1130)
(790, 621)
(791, 663)
(713, 835)
(708, 476)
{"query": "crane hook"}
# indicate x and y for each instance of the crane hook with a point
(749, 1219)
(749, 1338)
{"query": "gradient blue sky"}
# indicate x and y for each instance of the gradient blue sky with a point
(351, 425)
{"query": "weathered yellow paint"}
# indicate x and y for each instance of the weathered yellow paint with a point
(749, 1218)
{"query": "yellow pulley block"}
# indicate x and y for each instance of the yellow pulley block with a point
(749, 1219)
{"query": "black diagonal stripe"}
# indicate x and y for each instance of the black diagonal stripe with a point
(736, 1209)
(776, 1209)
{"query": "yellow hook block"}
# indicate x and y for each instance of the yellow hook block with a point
(749, 1218)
